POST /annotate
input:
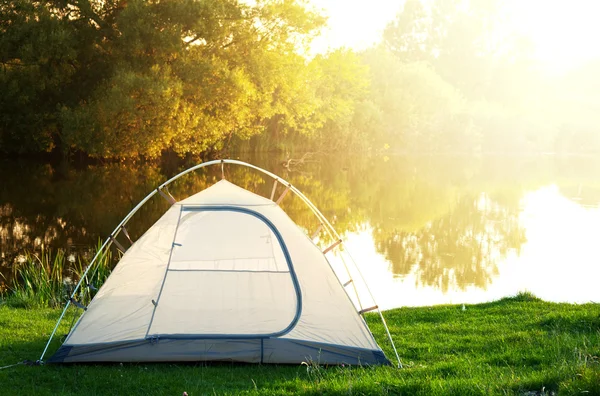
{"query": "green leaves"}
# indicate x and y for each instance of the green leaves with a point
(132, 114)
(35, 52)
(133, 78)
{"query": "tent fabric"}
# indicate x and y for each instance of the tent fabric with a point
(271, 350)
(223, 275)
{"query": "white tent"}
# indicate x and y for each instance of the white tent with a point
(224, 275)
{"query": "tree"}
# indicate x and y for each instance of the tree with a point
(419, 110)
(467, 42)
(410, 35)
(316, 108)
(124, 78)
(341, 83)
(37, 52)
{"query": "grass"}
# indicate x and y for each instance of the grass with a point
(514, 346)
(46, 279)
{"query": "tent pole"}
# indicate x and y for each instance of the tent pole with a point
(353, 283)
(387, 330)
(41, 359)
(73, 296)
(106, 244)
(313, 208)
(330, 228)
(308, 203)
(389, 337)
(335, 236)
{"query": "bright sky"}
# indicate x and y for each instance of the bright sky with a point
(354, 23)
(564, 32)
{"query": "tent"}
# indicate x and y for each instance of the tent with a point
(223, 275)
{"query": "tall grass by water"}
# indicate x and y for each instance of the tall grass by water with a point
(48, 278)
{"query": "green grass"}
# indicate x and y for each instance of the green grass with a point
(515, 346)
(47, 279)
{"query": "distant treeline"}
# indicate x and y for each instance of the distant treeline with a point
(136, 78)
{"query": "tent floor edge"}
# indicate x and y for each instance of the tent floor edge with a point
(260, 350)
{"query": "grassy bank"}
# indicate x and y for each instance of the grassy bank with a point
(517, 345)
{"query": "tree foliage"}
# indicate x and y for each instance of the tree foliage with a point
(508, 102)
(419, 110)
(326, 105)
(136, 78)
(123, 78)
(464, 40)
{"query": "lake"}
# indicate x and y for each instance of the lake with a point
(424, 230)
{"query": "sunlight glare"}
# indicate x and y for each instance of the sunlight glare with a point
(558, 262)
(564, 33)
(353, 24)
(562, 246)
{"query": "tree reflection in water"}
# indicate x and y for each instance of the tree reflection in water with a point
(459, 249)
(449, 220)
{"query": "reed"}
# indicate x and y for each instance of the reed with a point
(48, 278)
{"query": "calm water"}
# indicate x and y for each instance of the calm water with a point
(424, 230)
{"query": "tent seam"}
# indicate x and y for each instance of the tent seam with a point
(165, 276)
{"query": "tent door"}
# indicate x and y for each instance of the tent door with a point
(232, 265)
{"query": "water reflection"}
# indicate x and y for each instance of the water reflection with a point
(65, 207)
(458, 249)
(450, 228)
(561, 256)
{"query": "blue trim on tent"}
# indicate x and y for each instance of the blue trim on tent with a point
(250, 351)
(262, 350)
(60, 355)
(288, 260)
(377, 354)
(162, 285)
(340, 353)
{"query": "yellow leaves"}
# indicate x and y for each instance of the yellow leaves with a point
(153, 90)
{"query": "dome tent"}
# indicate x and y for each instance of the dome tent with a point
(223, 275)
